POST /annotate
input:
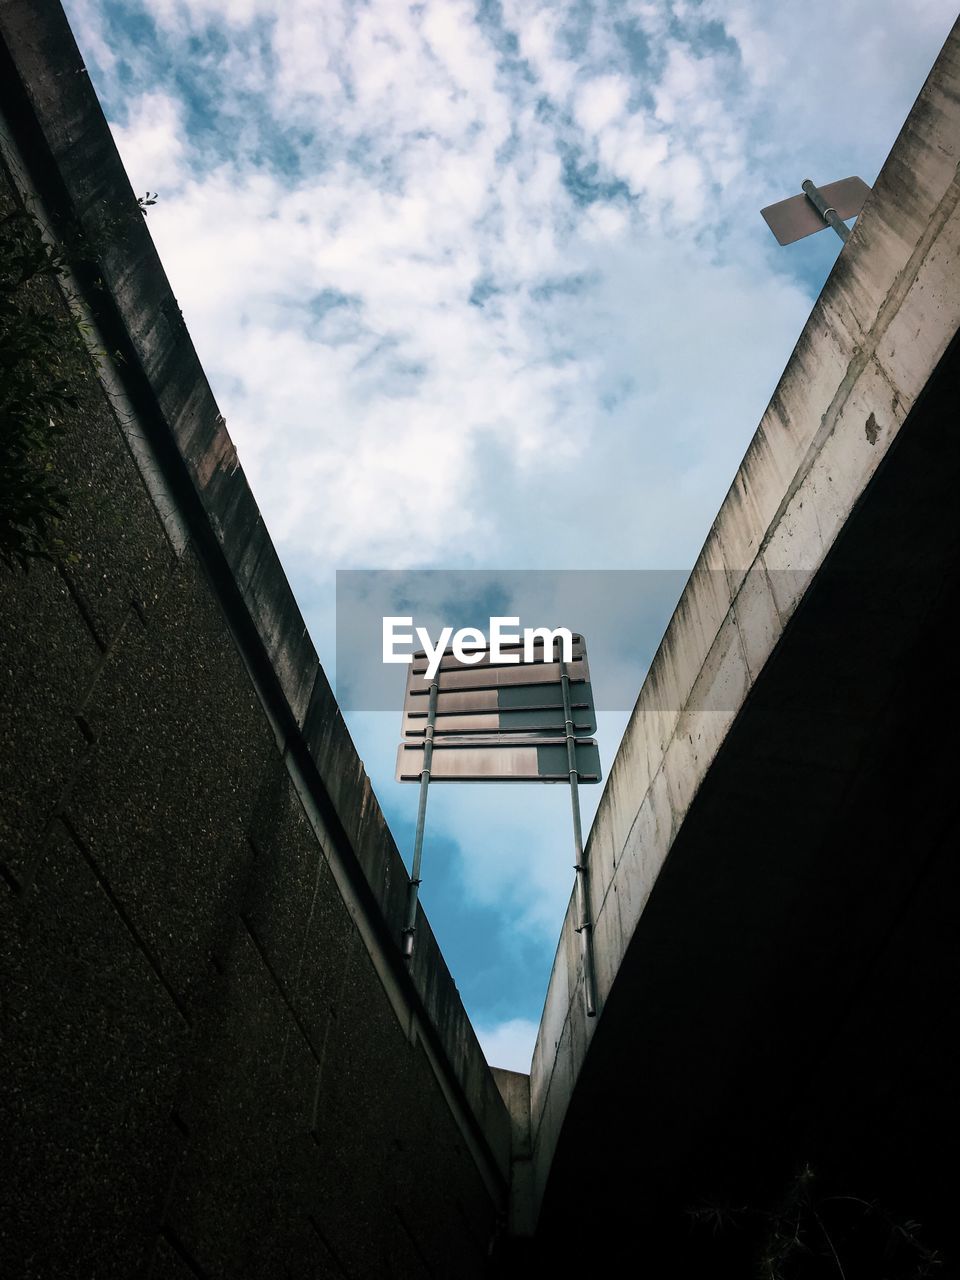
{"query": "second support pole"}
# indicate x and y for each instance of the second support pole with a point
(826, 211)
(584, 924)
(413, 889)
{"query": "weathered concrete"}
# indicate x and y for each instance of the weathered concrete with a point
(514, 1087)
(215, 1061)
(854, 390)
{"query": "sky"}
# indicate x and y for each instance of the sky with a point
(483, 285)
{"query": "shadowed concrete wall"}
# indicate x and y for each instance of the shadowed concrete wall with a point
(874, 340)
(214, 1061)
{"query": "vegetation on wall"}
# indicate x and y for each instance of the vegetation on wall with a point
(811, 1234)
(43, 362)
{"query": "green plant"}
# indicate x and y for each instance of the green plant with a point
(43, 362)
(810, 1234)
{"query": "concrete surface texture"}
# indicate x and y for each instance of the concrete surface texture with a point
(809, 656)
(214, 1060)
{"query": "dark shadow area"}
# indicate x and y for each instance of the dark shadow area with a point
(772, 1089)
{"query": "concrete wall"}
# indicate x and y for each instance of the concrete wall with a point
(214, 1061)
(882, 323)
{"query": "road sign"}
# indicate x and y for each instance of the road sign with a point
(507, 709)
(513, 759)
(506, 715)
(516, 718)
(458, 677)
(800, 216)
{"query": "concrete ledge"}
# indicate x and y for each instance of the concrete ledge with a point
(884, 320)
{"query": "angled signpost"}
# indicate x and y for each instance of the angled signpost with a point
(526, 717)
(815, 209)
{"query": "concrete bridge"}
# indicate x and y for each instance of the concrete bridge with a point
(215, 1061)
(773, 870)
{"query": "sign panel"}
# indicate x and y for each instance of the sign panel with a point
(500, 721)
(509, 709)
(497, 720)
(498, 677)
(499, 760)
(792, 219)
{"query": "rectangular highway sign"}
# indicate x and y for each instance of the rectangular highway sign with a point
(499, 760)
(520, 708)
(500, 721)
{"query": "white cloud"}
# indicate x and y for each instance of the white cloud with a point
(509, 1044)
(537, 28)
(151, 142)
(833, 78)
(601, 101)
(180, 15)
(86, 24)
(634, 152)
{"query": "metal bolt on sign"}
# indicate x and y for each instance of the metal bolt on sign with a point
(817, 208)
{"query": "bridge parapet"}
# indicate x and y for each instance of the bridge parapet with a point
(881, 325)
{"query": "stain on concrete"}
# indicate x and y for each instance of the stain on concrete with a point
(871, 430)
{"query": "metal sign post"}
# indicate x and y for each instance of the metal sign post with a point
(585, 925)
(826, 211)
(413, 889)
(510, 720)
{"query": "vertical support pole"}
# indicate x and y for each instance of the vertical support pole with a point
(413, 889)
(585, 925)
(826, 212)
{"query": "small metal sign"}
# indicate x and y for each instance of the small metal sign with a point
(802, 215)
